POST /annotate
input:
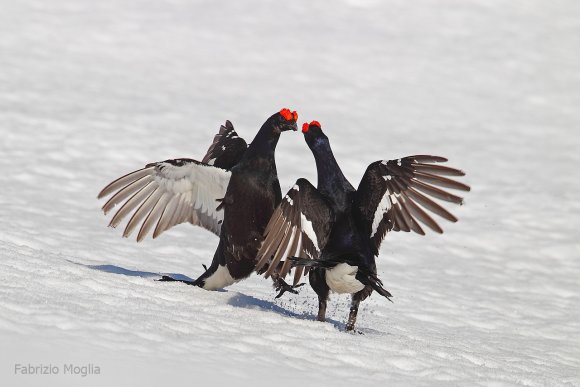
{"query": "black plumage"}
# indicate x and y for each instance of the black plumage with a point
(334, 231)
(227, 148)
(232, 193)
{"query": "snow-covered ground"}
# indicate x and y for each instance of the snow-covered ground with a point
(90, 90)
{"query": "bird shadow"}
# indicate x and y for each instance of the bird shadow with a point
(241, 300)
(131, 273)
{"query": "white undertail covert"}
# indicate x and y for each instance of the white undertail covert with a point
(342, 279)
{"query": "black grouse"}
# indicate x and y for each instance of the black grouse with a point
(232, 193)
(334, 232)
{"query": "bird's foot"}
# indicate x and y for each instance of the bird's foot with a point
(350, 329)
(166, 278)
(282, 287)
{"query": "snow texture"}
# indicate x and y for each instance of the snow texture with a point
(90, 90)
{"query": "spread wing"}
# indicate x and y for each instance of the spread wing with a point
(299, 227)
(168, 193)
(397, 195)
(227, 148)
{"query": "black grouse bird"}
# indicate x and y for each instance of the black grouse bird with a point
(334, 232)
(232, 193)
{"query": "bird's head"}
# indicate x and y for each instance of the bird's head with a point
(284, 120)
(313, 134)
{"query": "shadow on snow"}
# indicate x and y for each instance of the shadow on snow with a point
(241, 300)
(131, 273)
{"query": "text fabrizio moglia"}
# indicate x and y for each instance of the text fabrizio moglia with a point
(51, 369)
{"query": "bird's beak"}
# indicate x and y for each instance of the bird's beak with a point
(292, 126)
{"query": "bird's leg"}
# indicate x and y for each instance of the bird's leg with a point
(166, 278)
(322, 308)
(353, 312)
(317, 279)
(218, 281)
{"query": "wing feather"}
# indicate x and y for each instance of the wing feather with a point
(227, 148)
(166, 216)
(130, 204)
(441, 181)
(152, 216)
(424, 217)
(299, 227)
(395, 195)
(279, 254)
(123, 181)
(436, 192)
(431, 205)
(440, 170)
(291, 251)
(274, 231)
(142, 212)
(125, 192)
(168, 193)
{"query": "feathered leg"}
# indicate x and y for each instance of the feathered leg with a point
(318, 283)
(356, 299)
(217, 261)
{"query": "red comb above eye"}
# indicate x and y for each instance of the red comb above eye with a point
(305, 127)
(295, 115)
(287, 114)
(315, 123)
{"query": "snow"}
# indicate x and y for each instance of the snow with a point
(92, 90)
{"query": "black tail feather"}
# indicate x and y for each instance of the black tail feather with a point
(371, 279)
(307, 262)
(376, 284)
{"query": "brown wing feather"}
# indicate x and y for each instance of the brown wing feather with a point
(395, 195)
(299, 227)
(168, 193)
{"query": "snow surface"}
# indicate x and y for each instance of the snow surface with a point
(90, 90)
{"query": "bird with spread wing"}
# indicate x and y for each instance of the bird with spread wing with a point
(333, 232)
(232, 192)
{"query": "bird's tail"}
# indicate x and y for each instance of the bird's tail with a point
(366, 277)
(307, 262)
(371, 279)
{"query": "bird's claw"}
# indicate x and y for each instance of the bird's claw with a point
(283, 287)
(165, 278)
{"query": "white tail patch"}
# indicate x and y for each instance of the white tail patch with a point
(341, 279)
